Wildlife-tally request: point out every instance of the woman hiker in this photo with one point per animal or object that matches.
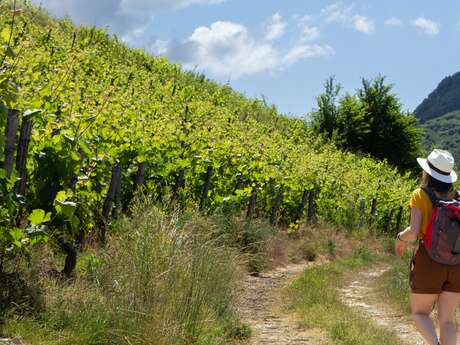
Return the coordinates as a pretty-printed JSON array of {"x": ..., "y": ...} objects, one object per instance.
[{"x": 431, "y": 281}]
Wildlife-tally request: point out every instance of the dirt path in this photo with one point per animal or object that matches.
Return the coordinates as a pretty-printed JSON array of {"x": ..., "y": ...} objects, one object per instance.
[
  {"x": 362, "y": 294},
  {"x": 260, "y": 306},
  {"x": 11, "y": 341}
]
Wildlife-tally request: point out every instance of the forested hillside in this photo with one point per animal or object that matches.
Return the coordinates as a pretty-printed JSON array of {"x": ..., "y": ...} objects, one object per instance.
[
  {"x": 444, "y": 99},
  {"x": 439, "y": 115},
  {"x": 443, "y": 132}
]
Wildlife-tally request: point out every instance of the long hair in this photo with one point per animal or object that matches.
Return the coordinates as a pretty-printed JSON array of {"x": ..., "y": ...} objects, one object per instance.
[{"x": 442, "y": 188}]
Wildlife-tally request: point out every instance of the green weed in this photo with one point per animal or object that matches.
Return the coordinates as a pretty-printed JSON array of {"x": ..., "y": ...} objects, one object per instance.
[
  {"x": 157, "y": 282},
  {"x": 314, "y": 297},
  {"x": 395, "y": 283}
]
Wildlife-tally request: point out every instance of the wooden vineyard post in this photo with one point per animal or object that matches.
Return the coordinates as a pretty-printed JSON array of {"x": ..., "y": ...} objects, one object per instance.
[
  {"x": 399, "y": 219},
  {"x": 138, "y": 180},
  {"x": 389, "y": 218},
  {"x": 21, "y": 162},
  {"x": 373, "y": 211},
  {"x": 206, "y": 187},
  {"x": 262, "y": 207},
  {"x": 10, "y": 140},
  {"x": 276, "y": 205},
  {"x": 180, "y": 183},
  {"x": 117, "y": 197},
  {"x": 252, "y": 202},
  {"x": 108, "y": 202},
  {"x": 362, "y": 208},
  {"x": 303, "y": 203},
  {"x": 140, "y": 175},
  {"x": 21, "y": 156},
  {"x": 311, "y": 216},
  {"x": 71, "y": 257},
  {"x": 238, "y": 185}
]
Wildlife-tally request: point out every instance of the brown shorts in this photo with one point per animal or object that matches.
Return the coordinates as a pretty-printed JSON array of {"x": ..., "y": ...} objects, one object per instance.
[{"x": 431, "y": 277}]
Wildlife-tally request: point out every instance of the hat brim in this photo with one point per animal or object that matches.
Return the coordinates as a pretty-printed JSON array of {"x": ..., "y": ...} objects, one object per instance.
[{"x": 451, "y": 178}]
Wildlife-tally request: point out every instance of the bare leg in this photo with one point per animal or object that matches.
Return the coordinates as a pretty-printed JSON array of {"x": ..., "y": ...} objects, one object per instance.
[
  {"x": 421, "y": 306},
  {"x": 447, "y": 304}
]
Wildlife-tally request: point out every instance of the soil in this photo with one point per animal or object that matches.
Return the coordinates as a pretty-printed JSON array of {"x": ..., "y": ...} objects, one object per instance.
[
  {"x": 362, "y": 293},
  {"x": 11, "y": 341},
  {"x": 261, "y": 306}
]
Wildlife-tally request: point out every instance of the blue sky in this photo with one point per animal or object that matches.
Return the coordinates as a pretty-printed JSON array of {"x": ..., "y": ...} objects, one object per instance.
[{"x": 285, "y": 50}]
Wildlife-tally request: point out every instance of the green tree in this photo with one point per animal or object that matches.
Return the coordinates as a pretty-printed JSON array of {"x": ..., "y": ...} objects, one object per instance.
[
  {"x": 393, "y": 133},
  {"x": 353, "y": 124},
  {"x": 325, "y": 118},
  {"x": 372, "y": 121}
]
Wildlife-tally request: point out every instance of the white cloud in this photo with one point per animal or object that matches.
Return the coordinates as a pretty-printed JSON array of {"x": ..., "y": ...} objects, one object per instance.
[
  {"x": 343, "y": 14},
  {"x": 309, "y": 33},
  {"x": 227, "y": 49},
  {"x": 275, "y": 29},
  {"x": 393, "y": 22},
  {"x": 159, "y": 47},
  {"x": 428, "y": 26},
  {"x": 127, "y": 18},
  {"x": 306, "y": 51},
  {"x": 363, "y": 24},
  {"x": 338, "y": 12},
  {"x": 307, "y": 19}
]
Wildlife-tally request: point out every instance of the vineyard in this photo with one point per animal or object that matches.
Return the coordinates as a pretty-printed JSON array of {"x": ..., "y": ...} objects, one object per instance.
[{"x": 85, "y": 122}]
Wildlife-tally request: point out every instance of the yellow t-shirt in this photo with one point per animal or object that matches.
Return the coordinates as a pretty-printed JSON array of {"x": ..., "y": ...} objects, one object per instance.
[{"x": 422, "y": 201}]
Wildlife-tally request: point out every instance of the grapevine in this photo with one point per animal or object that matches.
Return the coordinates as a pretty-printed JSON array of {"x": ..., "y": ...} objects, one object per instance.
[{"x": 96, "y": 104}]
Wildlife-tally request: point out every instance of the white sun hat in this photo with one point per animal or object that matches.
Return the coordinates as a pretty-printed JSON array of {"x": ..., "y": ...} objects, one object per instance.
[{"x": 439, "y": 165}]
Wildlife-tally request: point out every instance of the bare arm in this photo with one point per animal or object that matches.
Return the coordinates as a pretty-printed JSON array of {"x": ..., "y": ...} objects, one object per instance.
[{"x": 411, "y": 232}]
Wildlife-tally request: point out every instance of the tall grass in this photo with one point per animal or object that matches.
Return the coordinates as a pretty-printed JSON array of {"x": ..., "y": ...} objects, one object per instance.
[
  {"x": 249, "y": 237},
  {"x": 160, "y": 281}
]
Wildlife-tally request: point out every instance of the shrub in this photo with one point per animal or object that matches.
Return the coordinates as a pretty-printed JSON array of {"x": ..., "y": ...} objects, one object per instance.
[{"x": 308, "y": 250}]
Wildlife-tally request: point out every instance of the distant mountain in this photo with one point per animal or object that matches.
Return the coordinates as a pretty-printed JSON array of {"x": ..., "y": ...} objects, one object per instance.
[
  {"x": 444, "y": 132},
  {"x": 444, "y": 99},
  {"x": 439, "y": 115}
]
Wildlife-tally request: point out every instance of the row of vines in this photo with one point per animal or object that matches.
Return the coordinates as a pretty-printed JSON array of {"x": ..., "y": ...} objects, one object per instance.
[{"x": 106, "y": 119}]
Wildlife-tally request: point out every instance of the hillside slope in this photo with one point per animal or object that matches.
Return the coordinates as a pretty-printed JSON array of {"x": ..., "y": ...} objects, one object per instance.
[
  {"x": 99, "y": 106},
  {"x": 444, "y": 99},
  {"x": 105, "y": 121},
  {"x": 443, "y": 132},
  {"x": 439, "y": 115}
]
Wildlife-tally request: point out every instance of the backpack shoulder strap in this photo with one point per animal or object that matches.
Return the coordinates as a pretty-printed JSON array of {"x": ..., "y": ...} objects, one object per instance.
[{"x": 430, "y": 194}]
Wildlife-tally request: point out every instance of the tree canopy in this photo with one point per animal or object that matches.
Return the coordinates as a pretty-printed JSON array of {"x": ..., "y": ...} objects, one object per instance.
[{"x": 371, "y": 121}]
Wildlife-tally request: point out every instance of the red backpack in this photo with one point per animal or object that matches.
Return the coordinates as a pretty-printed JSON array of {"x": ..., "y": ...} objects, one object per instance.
[{"x": 442, "y": 236}]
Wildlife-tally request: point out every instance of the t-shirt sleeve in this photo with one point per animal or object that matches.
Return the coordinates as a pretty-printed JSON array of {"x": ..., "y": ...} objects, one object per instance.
[{"x": 416, "y": 199}]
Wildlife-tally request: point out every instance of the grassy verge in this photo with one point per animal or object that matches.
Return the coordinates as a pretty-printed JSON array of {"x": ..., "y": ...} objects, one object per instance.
[
  {"x": 168, "y": 279},
  {"x": 314, "y": 297},
  {"x": 161, "y": 280},
  {"x": 394, "y": 286}
]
